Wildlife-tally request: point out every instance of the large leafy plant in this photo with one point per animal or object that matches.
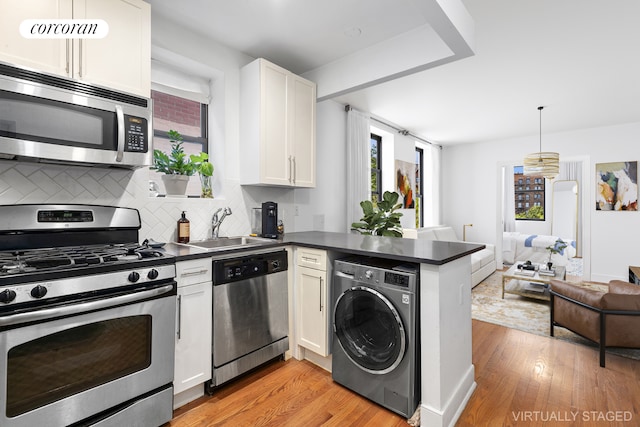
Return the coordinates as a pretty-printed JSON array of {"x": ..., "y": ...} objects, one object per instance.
[
  {"x": 381, "y": 219},
  {"x": 176, "y": 162}
]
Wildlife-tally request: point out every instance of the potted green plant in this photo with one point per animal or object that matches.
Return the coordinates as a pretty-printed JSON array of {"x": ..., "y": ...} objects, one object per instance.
[
  {"x": 205, "y": 170},
  {"x": 556, "y": 248},
  {"x": 381, "y": 219},
  {"x": 176, "y": 165}
]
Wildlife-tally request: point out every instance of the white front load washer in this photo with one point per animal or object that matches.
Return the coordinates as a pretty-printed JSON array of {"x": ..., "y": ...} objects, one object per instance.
[{"x": 375, "y": 331}]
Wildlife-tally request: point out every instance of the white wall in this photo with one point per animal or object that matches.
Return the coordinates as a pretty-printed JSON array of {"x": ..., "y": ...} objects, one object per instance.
[
  {"x": 324, "y": 208},
  {"x": 471, "y": 178}
]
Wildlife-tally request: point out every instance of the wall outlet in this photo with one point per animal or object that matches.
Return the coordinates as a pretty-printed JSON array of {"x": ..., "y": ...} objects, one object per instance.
[{"x": 296, "y": 210}]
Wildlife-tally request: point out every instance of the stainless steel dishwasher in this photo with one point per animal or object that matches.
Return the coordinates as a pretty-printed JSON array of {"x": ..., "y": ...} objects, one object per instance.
[{"x": 250, "y": 313}]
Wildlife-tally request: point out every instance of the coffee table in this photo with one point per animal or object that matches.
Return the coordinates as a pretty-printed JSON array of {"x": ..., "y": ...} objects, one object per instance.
[{"x": 536, "y": 286}]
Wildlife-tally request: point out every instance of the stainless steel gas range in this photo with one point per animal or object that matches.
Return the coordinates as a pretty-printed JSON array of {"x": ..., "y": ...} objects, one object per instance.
[{"x": 86, "y": 319}]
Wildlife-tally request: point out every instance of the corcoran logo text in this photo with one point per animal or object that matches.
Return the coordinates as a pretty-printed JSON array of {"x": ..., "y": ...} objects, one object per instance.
[{"x": 64, "y": 28}]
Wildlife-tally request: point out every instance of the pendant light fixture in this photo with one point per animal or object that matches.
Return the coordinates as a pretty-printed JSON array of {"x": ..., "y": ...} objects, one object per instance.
[{"x": 543, "y": 163}]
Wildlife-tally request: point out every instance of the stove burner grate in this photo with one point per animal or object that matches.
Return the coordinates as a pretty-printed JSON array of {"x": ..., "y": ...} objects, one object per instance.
[{"x": 16, "y": 262}]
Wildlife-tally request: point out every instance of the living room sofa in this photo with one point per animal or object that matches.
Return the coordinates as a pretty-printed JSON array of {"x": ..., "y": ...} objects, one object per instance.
[
  {"x": 483, "y": 262},
  {"x": 518, "y": 247}
]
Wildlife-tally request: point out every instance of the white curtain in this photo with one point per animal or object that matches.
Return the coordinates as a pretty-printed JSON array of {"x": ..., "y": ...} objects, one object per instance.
[
  {"x": 570, "y": 171},
  {"x": 509, "y": 205},
  {"x": 431, "y": 189},
  {"x": 358, "y": 164}
]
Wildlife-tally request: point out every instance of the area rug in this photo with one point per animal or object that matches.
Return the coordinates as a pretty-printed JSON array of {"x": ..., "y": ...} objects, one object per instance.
[{"x": 525, "y": 314}]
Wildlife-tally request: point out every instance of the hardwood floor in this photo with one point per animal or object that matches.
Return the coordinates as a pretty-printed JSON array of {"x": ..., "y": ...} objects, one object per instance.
[
  {"x": 526, "y": 379},
  {"x": 523, "y": 379},
  {"x": 291, "y": 393}
]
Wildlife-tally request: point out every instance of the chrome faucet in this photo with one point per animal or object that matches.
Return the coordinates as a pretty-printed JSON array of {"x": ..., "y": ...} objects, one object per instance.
[{"x": 216, "y": 223}]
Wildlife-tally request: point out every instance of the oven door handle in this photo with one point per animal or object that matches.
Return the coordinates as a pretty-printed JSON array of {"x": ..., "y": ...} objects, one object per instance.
[{"x": 68, "y": 310}]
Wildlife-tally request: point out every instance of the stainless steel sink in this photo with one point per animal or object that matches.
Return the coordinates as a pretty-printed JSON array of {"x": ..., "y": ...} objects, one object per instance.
[{"x": 230, "y": 242}]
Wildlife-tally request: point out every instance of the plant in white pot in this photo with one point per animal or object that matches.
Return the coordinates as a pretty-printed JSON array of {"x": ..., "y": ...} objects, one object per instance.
[{"x": 176, "y": 166}]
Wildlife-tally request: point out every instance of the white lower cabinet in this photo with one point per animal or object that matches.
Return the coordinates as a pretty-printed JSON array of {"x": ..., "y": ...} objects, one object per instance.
[
  {"x": 193, "y": 330},
  {"x": 193, "y": 336},
  {"x": 313, "y": 300}
]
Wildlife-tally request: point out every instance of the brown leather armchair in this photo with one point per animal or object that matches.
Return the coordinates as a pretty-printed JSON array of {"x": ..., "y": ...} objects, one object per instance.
[{"x": 610, "y": 319}]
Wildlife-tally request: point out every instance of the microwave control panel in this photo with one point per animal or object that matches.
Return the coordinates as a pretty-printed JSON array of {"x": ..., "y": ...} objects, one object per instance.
[{"x": 135, "y": 134}]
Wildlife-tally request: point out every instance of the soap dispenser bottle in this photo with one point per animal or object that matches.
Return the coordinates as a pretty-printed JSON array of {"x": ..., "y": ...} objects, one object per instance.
[{"x": 183, "y": 229}]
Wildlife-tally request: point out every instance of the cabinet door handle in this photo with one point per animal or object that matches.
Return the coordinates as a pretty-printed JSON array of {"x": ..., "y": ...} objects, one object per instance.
[
  {"x": 320, "y": 287},
  {"x": 309, "y": 259},
  {"x": 294, "y": 170},
  {"x": 290, "y": 170},
  {"x": 179, "y": 315},
  {"x": 80, "y": 57},
  {"x": 66, "y": 67},
  {"x": 194, "y": 273}
]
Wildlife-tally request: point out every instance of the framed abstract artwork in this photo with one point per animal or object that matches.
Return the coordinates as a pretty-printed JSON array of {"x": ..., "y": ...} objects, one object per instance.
[
  {"x": 405, "y": 183},
  {"x": 617, "y": 186}
]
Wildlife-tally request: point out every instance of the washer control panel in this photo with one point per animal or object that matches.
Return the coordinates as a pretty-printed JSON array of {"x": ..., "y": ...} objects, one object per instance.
[{"x": 379, "y": 271}]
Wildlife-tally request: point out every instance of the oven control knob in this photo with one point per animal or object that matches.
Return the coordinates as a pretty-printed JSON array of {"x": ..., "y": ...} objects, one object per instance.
[
  {"x": 152, "y": 274},
  {"x": 134, "y": 276},
  {"x": 368, "y": 274},
  {"x": 39, "y": 291},
  {"x": 7, "y": 296},
  {"x": 275, "y": 264}
]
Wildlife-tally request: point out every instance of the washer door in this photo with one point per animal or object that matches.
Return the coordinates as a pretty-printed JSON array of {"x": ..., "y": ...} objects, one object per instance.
[{"x": 369, "y": 329}]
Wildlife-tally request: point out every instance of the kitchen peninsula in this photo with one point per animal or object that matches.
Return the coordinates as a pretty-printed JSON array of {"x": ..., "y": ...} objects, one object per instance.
[{"x": 447, "y": 373}]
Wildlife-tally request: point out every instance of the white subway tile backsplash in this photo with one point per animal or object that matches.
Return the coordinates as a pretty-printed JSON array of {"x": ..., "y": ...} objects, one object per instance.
[{"x": 29, "y": 182}]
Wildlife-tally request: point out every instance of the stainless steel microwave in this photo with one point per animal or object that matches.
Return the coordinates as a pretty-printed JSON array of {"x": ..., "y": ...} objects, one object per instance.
[{"x": 48, "y": 118}]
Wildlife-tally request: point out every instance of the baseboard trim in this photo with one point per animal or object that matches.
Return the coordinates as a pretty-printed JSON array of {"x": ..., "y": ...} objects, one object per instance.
[{"x": 449, "y": 414}]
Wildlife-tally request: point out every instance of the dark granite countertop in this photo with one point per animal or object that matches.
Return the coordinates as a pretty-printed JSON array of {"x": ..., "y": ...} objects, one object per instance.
[{"x": 410, "y": 250}]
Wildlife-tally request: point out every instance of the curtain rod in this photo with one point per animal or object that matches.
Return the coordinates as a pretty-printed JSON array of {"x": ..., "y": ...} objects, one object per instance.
[{"x": 403, "y": 132}]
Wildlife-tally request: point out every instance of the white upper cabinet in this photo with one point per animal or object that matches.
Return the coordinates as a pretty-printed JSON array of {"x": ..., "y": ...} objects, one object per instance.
[
  {"x": 48, "y": 55},
  {"x": 277, "y": 128},
  {"x": 303, "y": 132},
  {"x": 121, "y": 60}
]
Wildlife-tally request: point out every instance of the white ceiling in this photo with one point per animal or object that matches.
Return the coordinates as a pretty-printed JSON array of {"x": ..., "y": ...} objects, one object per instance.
[{"x": 578, "y": 58}]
